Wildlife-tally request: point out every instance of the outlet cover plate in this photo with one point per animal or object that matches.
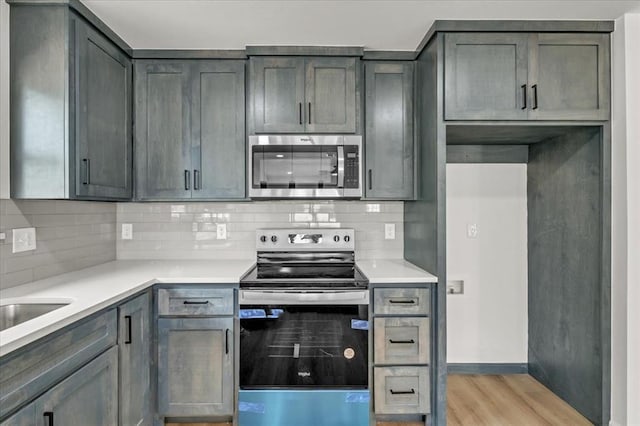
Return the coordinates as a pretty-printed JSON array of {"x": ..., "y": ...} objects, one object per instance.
[
  {"x": 389, "y": 231},
  {"x": 24, "y": 239},
  {"x": 221, "y": 231},
  {"x": 127, "y": 231}
]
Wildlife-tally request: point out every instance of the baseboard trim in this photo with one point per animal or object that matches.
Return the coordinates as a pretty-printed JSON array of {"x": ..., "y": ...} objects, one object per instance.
[{"x": 487, "y": 368}]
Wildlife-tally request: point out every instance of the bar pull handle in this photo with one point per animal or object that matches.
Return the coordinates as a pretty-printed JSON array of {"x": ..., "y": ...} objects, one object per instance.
[
  {"x": 226, "y": 341},
  {"x": 48, "y": 415},
  {"x": 370, "y": 179},
  {"x": 309, "y": 113},
  {"x": 524, "y": 96},
  {"x": 192, "y": 302},
  {"x": 187, "y": 178},
  {"x": 406, "y": 342},
  {"x": 196, "y": 179},
  {"x": 87, "y": 171},
  {"x": 300, "y": 112},
  {"x": 127, "y": 318},
  {"x": 535, "y": 96},
  {"x": 406, "y": 392},
  {"x": 403, "y": 302}
]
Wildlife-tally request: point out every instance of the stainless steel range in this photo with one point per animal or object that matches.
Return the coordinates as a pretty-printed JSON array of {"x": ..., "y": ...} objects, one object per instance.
[{"x": 304, "y": 330}]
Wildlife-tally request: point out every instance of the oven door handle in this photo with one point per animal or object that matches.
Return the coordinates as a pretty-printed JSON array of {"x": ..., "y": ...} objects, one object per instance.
[
  {"x": 340, "y": 166},
  {"x": 302, "y": 297}
]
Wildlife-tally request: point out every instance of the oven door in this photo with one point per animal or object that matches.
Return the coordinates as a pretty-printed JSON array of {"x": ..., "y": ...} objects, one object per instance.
[{"x": 303, "y": 339}]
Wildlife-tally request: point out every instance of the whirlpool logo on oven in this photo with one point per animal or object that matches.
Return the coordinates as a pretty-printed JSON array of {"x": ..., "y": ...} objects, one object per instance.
[{"x": 304, "y": 373}]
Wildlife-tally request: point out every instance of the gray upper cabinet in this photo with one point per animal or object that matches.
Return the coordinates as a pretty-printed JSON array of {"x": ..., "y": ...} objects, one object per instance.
[
  {"x": 485, "y": 76},
  {"x": 522, "y": 76},
  {"x": 304, "y": 95},
  {"x": 70, "y": 108},
  {"x": 569, "y": 76},
  {"x": 189, "y": 130},
  {"x": 389, "y": 151},
  {"x": 134, "y": 347}
]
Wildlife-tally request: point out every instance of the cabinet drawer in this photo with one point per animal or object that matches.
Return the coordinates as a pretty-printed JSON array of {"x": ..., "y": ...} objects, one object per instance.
[
  {"x": 401, "y": 340},
  {"x": 195, "y": 301},
  {"x": 401, "y": 301},
  {"x": 401, "y": 390}
]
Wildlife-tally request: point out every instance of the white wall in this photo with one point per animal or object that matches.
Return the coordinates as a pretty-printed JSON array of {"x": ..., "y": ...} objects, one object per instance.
[
  {"x": 625, "y": 276},
  {"x": 4, "y": 99},
  {"x": 488, "y": 323}
]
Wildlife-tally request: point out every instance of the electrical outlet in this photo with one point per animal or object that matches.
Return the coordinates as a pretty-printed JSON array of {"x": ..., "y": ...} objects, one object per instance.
[
  {"x": 389, "y": 231},
  {"x": 472, "y": 230},
  {"x": 221, "y": 231},
  {"x": 3, "y": 236},
  {"x": 24, "y": 239},
  {"x": 127, "y": 231},
  {"x": 455, "y": 287}
]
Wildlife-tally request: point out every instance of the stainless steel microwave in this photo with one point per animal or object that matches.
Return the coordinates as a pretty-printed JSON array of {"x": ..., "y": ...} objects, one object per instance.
[{"x": 307, "y": 166}]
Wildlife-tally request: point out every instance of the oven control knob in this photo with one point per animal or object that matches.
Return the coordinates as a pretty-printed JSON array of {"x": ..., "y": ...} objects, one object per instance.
[
  {"x": 336, "y": 238},
  {"x": 263, "y": 238},
  {"x": 274, "y": 239},
  {"x": 347, "y": 238}
]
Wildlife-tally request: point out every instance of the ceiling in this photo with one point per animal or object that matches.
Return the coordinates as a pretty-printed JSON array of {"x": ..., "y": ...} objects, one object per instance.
[{"x": 373, "y": 24}]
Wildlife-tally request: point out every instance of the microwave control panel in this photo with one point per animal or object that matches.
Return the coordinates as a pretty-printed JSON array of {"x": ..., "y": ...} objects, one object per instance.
[{"x": 351, "y": 166}]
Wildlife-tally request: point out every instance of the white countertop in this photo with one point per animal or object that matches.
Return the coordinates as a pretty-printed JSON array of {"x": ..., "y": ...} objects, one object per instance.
[
  {"x": 89, "y": 290},
  {"x": 394, "y": 271}
]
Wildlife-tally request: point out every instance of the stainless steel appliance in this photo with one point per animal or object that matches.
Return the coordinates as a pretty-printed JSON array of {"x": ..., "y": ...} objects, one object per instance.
[
  {"x": 304, "y": 331},
  {"x": 305, "y": 166}
]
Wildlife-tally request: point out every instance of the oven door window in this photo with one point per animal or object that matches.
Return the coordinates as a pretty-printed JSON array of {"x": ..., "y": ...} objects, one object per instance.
[
  {"x": 288, "y": 166},
  {"x": 303, "y": 346}
]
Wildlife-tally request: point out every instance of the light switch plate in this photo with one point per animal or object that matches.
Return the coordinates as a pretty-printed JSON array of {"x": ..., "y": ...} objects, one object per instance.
[
  {"x": 127, "y": 231},
  {"x": 24, "y": 239},
  {"x": 221, "y": 231},
  {"x": 389, "y": 231}
]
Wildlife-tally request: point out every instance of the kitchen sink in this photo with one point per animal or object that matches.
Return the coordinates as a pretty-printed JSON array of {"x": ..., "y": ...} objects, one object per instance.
[{"x": 18, "y": 313}]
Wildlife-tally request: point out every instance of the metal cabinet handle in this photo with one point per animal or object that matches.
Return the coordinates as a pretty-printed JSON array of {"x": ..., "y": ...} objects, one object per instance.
[
  {"x": 309, "y": 113},
  {"x": 48, "y": 415},
  {"x": 187, "y": 178},
  {"x": 191, "y": 302},
  {"x": 196, "y": 180},
  {"x": 87, "y": 175},
  {"x": 127, "y": 318},
  {"x": 226, "y": 341},
  {"x": 408, "y": 342},
  {"x": 535, "y": 96},
  {"x": 405, "y": 302},
  {"x": 524, "y": 96},
  {"x": 370, "y": 179},
  {"x": 300, "y": 112},
  {"x": 407, "y": 392}
]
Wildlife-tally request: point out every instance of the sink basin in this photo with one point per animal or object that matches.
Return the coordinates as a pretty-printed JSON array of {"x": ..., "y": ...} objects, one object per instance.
[{"x": 17, "y": 313}]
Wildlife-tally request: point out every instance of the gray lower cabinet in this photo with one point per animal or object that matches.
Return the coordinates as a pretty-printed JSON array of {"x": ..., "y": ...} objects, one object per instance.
[
  {"x": 134, "y": 350},
  {"x": 526, "y": 76},
  {"x": 389, "y": 150},
  {"x": 70, "y": 108},
  {"x": 304, "y": 95},
  {"x": 190, "y": 129},
  {"x": 195, "y": 367},
  {"x": 87, "y": 397}
]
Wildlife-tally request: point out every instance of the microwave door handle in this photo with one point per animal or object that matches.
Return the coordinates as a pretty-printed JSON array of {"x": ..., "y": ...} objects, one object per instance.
[{"x": 340, "y": 166}]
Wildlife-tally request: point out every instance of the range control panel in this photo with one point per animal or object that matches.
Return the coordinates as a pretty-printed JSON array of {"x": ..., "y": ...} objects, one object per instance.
[{"x": 325, "y": 239}]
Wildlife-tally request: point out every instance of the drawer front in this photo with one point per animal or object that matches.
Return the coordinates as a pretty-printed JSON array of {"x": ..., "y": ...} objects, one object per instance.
[
  {"x": 401, "y": 301},
  {"x": 402, "y": 390},
  {"x": 195, "y": 301},
  {"x": 401, "y": 340},
  {"x": 30, "y": 371}
]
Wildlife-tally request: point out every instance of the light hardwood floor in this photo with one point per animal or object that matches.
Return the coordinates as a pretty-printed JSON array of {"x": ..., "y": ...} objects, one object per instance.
[{"x": 506, "y": 400}]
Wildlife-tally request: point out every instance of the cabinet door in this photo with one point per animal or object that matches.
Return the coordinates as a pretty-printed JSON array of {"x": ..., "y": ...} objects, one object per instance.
[
  {"x": 569, "y": 76},
  {"x": 389, "y": 151},
  {"x": 87, "y": 397},
  {"x": 162, "y": 130},
  {"x": 330, "y": 95},
  {"x": 485, "y": 76},
  {"x": 278, "y": 94},
  {"x": 135, "y": 361},
  {"x": 103, "y": 116},
  {"x": 195, "y": 367},
  {"x": 218, "y": 129}
]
